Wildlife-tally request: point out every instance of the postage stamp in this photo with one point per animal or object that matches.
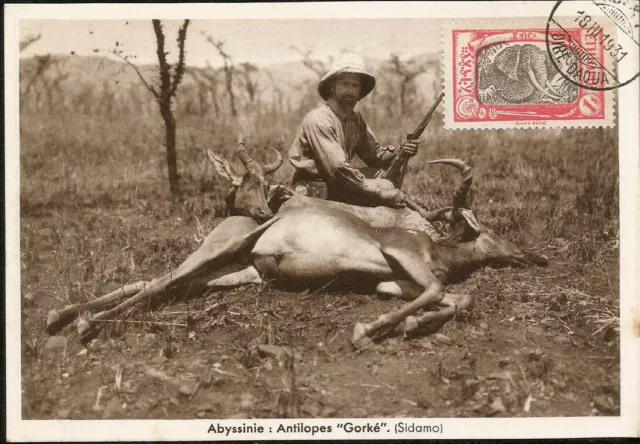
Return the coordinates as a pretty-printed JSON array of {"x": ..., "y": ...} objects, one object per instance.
[{"x": 501, "y": 75}]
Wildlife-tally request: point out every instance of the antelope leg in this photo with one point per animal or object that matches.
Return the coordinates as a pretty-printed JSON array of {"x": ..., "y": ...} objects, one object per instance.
[
  {"x": 401, "y": 289},
  {"x": 432, "y": 321},
  {"x": 156, "y": 288},
  {"x": 58, "y": 319},
  {"x": 387, "y": 322},
  {"x": 150, "y": 292},
  {"x": 462, "y": 300},
  {"x": 214, "y": 253},
  {"x": 243, "y": 277},
  {"x": 401, "y": 251}
]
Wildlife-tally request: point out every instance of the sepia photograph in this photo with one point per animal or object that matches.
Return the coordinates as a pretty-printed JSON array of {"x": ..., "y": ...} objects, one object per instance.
[{"x": 259, "y": 213}]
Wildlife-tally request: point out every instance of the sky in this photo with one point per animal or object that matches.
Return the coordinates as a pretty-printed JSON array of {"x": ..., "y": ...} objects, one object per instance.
[{"x": 259, "y": 41}]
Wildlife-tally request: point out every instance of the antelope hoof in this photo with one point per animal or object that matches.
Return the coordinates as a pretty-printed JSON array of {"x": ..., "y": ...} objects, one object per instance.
[
  {"x": 87, "y": 332},
  {"x": 360, "y": 340},
  {"x": 54, "y": 322},
  {"x": 59, "y": 319},
  {"x": 84, "y": 328},
  {"x": 411, "y": 326}
]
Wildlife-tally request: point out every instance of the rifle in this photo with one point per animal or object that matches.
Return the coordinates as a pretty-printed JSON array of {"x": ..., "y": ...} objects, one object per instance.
[{"x": 399, "y": 163}]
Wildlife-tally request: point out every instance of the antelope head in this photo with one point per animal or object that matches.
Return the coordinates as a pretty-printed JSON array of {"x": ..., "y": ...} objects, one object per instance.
[
  {"x": 248, "y": 195},
  {"x": 471, "y": 243}
]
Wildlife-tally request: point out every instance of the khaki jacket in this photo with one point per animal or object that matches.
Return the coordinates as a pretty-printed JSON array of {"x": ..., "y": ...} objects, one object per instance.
[{"x": 326, "y": 143}]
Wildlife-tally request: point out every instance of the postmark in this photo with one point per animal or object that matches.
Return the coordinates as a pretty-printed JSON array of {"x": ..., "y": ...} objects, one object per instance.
[
  {"x": 600, "y": 53},
  {"x": 501, "y": 75}
]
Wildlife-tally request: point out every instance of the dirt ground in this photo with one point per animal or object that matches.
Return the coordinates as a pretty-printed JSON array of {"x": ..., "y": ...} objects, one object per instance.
[
  {"x": 95, "y": 214},
  {"x": 528, "y": 346}
]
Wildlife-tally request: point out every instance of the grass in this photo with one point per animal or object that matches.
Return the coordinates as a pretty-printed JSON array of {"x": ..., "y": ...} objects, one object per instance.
[
  {"x": 531, "y": 186},
  {"x": 96, "y": 214}
]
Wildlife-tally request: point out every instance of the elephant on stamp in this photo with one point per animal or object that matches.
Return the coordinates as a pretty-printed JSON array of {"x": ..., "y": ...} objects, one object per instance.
[{"x": 520, "y": 73}]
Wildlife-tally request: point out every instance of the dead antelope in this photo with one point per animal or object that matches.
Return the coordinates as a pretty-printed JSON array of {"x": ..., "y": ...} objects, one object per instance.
[{"x": 318, "y": 242}]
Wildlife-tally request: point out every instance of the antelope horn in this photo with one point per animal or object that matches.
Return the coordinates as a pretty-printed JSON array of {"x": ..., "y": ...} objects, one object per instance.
[
  {"x": 439, "y": 214},
  {"x": 460, "y": 195},
  {"x": 423, "y": 209},
  {"x": 431, "y": 216},
  {"x": 244, "y": 157},
  {"x": 273, "y": 166}
]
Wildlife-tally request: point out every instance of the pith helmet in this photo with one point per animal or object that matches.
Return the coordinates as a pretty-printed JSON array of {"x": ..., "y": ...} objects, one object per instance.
[{"x": 352, "y": 63}]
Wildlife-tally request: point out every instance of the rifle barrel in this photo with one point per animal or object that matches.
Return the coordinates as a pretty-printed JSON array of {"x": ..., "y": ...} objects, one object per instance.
[
  {"x": 400, "y": 157},
  {"x": 425, "y": 121}
]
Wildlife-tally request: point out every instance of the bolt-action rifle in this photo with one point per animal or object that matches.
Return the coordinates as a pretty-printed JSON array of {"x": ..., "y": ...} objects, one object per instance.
[{"x": 399, "y": 163}]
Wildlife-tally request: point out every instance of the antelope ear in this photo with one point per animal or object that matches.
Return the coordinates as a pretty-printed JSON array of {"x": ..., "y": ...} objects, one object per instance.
[
  {"x": 224, "y": 169},
  {"x": 470, "y": 218},
  {"x": 276, "y": 196},
  {"x": 508, "y": 60}
]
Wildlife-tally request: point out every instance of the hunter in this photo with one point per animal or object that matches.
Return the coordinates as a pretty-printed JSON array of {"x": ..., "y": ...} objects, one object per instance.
[{"x": 334, "y": 133}]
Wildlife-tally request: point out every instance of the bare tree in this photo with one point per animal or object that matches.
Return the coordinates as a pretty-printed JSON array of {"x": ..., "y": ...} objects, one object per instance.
[
  {"x": 55, "y": 95},
  {"x": 28, "y": 41},
  {"x": 248, "y": 72},
  {"x": 43, "y": 83},
  {"x": 207, "y": 80},
  {"x": 42, "y": 63},
  {"x": 406, "y": 72},
  {"x": 279, "y": 106},
  {"x": 229, "y": 70},
  {"x": 169, "y": 82},
  {"x": 314, "y": 65},
  {"x": 168, "y": 86}
]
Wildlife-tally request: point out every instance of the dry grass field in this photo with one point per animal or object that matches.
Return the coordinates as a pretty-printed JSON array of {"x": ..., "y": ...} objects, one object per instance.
[{"x": 96, "y": 214}]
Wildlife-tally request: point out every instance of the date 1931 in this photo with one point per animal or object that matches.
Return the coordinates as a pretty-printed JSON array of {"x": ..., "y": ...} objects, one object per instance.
[{"x": 594, "y": 29}]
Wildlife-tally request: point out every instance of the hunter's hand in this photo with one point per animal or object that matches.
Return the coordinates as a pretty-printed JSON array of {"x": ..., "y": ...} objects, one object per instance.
[
  {"x": 410, "y": 147},
  {"x": 392, "y": 197}
]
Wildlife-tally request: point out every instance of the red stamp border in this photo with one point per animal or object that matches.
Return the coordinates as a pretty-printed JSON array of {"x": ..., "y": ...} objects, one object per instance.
[{"x": 467, "y": 106}]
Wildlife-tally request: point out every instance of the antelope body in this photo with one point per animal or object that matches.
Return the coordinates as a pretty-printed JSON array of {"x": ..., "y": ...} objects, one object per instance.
[{"x": 311, "y": 243}]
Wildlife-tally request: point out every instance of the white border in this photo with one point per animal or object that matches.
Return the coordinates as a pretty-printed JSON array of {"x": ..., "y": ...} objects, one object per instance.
[{"x": 628, "y": 424}]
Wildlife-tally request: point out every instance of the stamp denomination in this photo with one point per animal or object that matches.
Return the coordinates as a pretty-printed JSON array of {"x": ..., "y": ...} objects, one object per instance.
[{"x": 501, "y": 75}]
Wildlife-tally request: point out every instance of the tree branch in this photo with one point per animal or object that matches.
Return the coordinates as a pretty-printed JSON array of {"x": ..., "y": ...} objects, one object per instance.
[
  {"x": 43, "y": 64},
  {"x": 144, "y": 81},
  {"x": 309, "y": 63},
  {"x": 28, "y": 41},
  {"x": 179, "y": 72},
  {"x": 165, "y": 74},
  {"x": 228, "y": 71}
]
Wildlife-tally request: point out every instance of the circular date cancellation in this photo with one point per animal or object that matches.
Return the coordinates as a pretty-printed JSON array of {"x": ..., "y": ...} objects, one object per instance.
[{"x": 595, "y": 45}]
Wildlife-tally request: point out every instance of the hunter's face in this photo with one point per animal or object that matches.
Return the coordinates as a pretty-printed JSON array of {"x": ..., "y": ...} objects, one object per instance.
[{"x": 347, "y": 89}]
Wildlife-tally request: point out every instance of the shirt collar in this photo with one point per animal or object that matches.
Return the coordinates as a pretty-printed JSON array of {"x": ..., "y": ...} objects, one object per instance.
[{"x": 342, "y": 115}]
